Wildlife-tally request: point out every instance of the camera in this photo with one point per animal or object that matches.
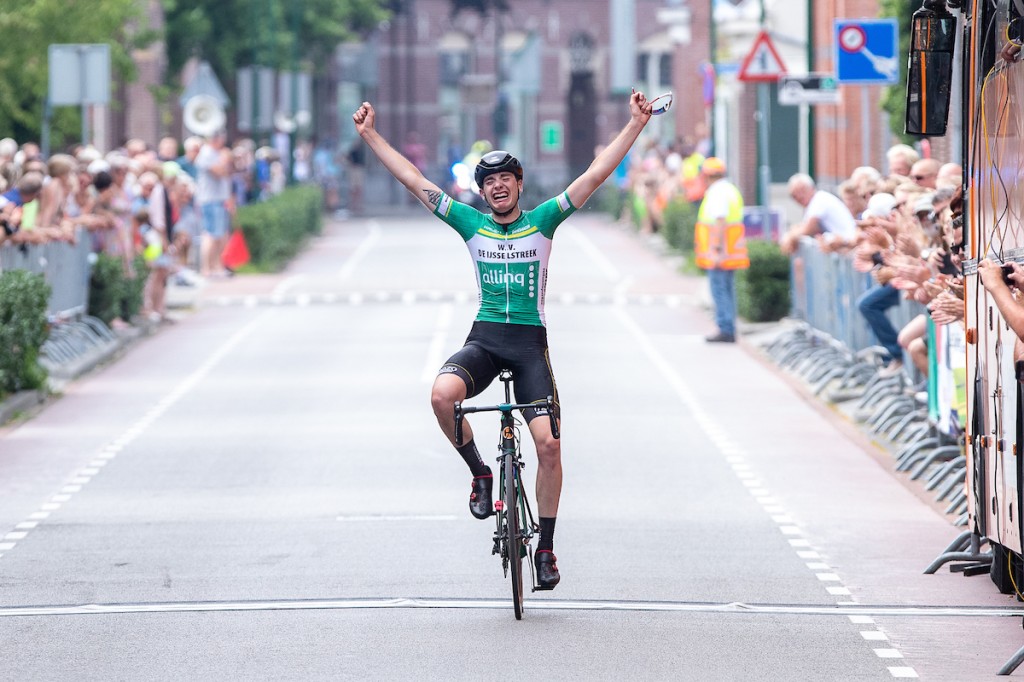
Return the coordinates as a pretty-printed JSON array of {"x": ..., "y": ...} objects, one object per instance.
[
  {"x": 877, "y": 259},
  {"x": 1007, "y": 271}
]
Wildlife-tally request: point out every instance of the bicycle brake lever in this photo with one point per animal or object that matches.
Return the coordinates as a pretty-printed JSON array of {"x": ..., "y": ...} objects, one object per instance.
[
  {"x": 458, "y": 424},
  {"x": 551, "y": 416}
]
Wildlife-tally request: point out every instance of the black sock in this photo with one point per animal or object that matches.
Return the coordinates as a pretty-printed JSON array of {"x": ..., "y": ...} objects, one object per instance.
[
  {"x": 472, "y": 457},
  {"x": 547, "y": 534}
]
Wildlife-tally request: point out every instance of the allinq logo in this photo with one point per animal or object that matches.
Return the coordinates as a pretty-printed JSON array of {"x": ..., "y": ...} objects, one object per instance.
[
  {"x": 502, "y": 277},
  {"x": 522, "y": 276}
]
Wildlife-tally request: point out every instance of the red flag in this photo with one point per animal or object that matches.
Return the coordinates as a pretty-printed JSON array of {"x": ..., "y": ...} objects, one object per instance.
[{"x": 236, "y": 252}]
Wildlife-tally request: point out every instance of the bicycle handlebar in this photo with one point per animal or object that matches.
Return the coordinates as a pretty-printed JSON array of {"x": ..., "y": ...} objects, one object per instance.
[{"x": 461, "y": 411}]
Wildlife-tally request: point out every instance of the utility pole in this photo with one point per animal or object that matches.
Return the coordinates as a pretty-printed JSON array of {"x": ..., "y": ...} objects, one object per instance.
[{"x": 764, "y": 170}]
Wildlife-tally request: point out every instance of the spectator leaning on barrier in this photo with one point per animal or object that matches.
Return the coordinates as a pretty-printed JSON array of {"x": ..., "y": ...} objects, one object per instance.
[
  {"x": 925, "y": 172},
  {"x": 720, "y": 245},
  {"x": 824, "y": 214},
  {"x": 950, "y": 175},
  {"x": 12, "y": 204},
  {"x": 881, "y": 225},
  {"x": 53, "y": 199},
  {"x": 901, "y": 158},
  {"x": 856, "y": 200}
]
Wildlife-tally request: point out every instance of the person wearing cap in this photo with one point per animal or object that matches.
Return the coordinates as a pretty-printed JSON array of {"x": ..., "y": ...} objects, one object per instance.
[
  {"x": 510, "y": 248},
  {"x": 720, "y": 245}
]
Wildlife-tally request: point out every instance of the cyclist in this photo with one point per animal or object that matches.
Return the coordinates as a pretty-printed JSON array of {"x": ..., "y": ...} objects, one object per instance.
[{"x": 510, "y": 249}]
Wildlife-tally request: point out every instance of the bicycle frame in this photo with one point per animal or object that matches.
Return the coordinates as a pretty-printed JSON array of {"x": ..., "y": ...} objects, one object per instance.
[{"x": 515, "y": 526}]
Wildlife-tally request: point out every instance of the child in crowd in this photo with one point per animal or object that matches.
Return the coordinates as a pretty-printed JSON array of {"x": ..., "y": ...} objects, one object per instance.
[{"x": 155, "y": 252}]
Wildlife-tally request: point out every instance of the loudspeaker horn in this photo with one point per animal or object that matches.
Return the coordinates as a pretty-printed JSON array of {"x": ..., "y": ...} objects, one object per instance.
[{"x": 203, "y": 115}]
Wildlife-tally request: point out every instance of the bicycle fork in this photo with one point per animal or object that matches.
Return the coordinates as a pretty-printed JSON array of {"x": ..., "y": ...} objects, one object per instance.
[{"x": 528, "y": 527}]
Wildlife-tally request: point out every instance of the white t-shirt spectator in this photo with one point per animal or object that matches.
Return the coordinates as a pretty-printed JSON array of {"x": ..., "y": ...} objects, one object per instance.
[
  {"x": 832, "y": 214},
  {"x": 209, "y": 187}
]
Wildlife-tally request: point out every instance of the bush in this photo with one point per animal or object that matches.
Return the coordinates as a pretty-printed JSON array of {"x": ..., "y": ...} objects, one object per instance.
[
  {"x": 762, "y": 292},
  {"x": 23, "y": 329},
  {"x": 680, "y": 223},
  {"x": 610, "y": 199},
  {"x": 114, "y": 294},
  {"x": 276, "y": 229}
]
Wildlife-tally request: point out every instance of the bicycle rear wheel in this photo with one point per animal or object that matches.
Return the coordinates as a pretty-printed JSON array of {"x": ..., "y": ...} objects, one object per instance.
[{"x": 515, "y": 541}]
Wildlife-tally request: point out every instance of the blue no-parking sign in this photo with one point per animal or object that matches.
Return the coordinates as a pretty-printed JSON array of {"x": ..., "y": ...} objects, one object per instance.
[{"x": 866, "y": 51}]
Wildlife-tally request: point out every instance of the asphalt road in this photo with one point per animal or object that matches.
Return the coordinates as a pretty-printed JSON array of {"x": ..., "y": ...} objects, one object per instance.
[{"x": 260, "y": 491}]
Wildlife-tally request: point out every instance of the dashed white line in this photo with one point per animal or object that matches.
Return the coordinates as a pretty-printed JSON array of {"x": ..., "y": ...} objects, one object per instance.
[
  {"x": 109, "y": 451},
  {"x": 733, "y": 454}
]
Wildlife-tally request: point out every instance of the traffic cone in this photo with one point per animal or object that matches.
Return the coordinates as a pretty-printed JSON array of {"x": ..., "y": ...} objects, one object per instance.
[{"x": 236, "y": 252}]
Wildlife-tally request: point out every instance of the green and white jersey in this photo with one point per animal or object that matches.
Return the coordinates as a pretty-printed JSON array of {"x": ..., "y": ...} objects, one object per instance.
[{"x": 511, "y": 261}]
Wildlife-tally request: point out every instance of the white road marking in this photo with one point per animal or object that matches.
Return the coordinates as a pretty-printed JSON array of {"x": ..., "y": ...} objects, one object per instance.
[
  {"x": 874, "y": 636},
  {"x": 595, "y": 254},
  {"x": 721, "y": 440},
  {"x": 503, "y": 604},
  {"x": 369, "y": 241},
  {"x": 399, "y": 517},
  {"x": 898, "y": 671},
  {"x": 111, "y": 450}
]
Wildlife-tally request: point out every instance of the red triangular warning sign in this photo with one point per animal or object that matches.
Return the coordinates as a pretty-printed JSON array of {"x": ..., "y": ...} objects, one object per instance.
[{"x": 763, "y": 63}]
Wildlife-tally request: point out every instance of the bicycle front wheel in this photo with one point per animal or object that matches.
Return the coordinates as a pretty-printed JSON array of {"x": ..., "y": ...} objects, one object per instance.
[{"x": 515, "y": 540}]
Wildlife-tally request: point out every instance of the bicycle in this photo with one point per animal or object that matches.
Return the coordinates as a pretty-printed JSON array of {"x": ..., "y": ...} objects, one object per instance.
[{"x": 514, "y": 522}]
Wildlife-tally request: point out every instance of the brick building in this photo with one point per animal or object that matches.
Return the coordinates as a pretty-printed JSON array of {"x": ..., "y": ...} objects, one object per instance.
[{"x": 562, "y": 89}]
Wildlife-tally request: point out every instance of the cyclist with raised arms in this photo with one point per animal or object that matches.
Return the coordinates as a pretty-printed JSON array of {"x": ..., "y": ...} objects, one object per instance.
[{"x": 510, "y": 249}]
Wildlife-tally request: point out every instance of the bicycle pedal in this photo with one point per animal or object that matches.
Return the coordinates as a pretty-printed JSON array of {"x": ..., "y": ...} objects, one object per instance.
[{"x": 499, "y": 505}]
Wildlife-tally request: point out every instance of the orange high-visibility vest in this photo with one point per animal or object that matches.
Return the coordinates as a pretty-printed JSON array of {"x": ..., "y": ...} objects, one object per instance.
[{"x": 717, "y": 247}]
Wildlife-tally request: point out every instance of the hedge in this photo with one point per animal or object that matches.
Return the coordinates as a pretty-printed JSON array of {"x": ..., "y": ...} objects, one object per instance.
[
  {"x": 112, "y": 293},
  {"x": 23, "y": 330},
  {"x": 276, "y": 229},
  {"x": 680, "y": 218},
  {"x": 762, "y": 291}
]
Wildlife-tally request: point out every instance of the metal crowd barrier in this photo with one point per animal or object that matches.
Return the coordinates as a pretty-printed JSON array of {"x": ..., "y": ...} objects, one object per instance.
[
  {"x": 65, "y": 266},
  {"x": 830, "y": 345}
]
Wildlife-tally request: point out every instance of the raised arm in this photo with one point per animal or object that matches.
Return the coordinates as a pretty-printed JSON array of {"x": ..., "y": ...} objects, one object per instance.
[
  {"x": 402, "y": 168},
  {"x": 612, "y": 155}
]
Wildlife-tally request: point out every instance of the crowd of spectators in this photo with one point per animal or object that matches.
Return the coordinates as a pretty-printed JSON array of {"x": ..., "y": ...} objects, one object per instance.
[
  {"x": 904, "y": 227},
  {"x": 899, "y": 224},
  {"x": 171, "y": 205}
]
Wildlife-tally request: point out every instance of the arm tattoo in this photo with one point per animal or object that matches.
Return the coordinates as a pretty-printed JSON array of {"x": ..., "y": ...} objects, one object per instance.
[{"x": 433, "y": 197}]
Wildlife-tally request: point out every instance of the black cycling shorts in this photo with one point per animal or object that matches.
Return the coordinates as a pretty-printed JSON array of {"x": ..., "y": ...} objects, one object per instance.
[{"x": 521, "y": 348}]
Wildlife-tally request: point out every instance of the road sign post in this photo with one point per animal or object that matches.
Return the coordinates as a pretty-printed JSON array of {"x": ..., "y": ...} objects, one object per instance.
[
  {"x": 78, "y": 75},
  {"x": 866, "y": 54},
  {"x": 763, "y": 66}
]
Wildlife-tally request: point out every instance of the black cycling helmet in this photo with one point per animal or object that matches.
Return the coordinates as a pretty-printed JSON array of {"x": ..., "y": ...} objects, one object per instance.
[{"x": 497, "y": 161}]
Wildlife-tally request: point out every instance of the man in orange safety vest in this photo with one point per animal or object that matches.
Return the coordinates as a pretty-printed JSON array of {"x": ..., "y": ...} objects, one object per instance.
[{"x": 720, "y": 245}]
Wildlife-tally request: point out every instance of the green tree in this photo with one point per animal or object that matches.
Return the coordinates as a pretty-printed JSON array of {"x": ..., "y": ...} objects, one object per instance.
[
  {"x": 234, "y": 33},
  {"x": 894, "y": 99},
  {"x": 29, "y": 28}
]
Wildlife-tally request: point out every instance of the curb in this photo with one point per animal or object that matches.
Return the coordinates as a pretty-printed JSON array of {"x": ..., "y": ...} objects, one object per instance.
[
  {"x": 20, "y": 402},
  {"x": 61, "y": 375}
]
